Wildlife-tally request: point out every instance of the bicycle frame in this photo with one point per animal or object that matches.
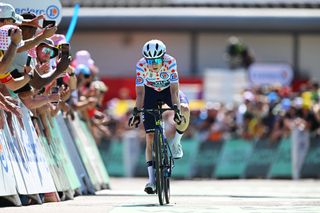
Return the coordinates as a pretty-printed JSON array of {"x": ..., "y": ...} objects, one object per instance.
[{"x": 161, "y": 154}]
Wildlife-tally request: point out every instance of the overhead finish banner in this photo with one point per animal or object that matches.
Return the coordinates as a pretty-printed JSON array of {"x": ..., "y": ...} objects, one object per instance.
[{"x": 52, "y": 9}]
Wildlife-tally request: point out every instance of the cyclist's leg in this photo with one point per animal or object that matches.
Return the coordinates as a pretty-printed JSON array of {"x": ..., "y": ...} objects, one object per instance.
[
  {"x": 149, "y": 125},
  {"x": 184, "y": 106},
  {"x": 185, "y": 111},
  {"x": 181, "y": 128}
]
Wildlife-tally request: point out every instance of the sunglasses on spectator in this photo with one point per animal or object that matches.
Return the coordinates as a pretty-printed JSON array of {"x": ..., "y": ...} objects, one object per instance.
[
  {"x": 155, "y": 61},
  {"x": 86, "y": 76},
  {"x": 47, "y": 50}
]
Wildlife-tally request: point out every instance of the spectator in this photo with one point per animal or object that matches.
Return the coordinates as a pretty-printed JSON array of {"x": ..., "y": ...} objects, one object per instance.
[{"x": 238, "y": 54}]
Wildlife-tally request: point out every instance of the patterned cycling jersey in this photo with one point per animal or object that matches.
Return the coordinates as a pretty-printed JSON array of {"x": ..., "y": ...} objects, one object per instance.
[{"x": 157, "y": 80}]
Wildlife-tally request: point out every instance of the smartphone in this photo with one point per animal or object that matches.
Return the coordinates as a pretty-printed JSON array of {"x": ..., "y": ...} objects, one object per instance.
[
  {"x": 54, "y": 90},
  {"x": 65, "y": 48},
  {"x": 9, "y": 32},
  {"x": 60, "y": 81},
  {"x": 28, "y": 61},
  {"x": 48, "y": 22}
]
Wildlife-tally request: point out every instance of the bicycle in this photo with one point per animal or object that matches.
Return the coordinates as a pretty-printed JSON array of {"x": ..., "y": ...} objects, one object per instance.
[{"x": 162, "y": 155}]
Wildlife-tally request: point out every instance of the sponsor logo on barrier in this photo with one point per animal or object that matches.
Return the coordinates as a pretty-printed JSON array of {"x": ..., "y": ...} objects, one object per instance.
[
  {"x": 36, "y": 11},
  {"x": 17, "y": 151},
  {"x": 50, "y": 8},
  {"x": 53, "y": 12},
  {"x": 4, "y": 162}
]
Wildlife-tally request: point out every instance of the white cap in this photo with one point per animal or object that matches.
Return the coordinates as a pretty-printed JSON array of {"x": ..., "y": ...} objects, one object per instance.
[
  {"x": 84, "y": 57},
  {"x": 7, "y": 11}
]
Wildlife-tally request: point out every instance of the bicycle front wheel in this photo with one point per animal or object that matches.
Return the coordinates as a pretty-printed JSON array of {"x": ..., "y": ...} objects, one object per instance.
[
  {"x": 167, "y": 189},
  {"x": 158, "y": 140}
]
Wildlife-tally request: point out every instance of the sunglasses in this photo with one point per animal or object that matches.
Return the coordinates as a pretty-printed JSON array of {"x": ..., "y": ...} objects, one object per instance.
[
  {"x": 47, "y": 50},
  {"x": 154, "y": 61}
]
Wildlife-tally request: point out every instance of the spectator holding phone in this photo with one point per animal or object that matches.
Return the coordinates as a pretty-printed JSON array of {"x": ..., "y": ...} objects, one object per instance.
[
  {"x": 12, "y": 39},
  {"x": 69, "y": 77},
  {"x": 31, "y": 41},
  {"x": 8, "y": 17}
]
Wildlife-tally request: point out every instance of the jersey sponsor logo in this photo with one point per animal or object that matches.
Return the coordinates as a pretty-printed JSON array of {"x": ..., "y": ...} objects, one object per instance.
[
  {"x": 174, "y": 77},
  {"x": 151, "y": 79},
  {"x": 158, "y": 84},
  {"x": 139, "y": 80},
  {"x": 164, "y": 75}
]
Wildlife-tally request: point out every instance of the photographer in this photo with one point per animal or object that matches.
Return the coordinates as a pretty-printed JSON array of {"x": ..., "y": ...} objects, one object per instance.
[{"x": 238, "y": 54}]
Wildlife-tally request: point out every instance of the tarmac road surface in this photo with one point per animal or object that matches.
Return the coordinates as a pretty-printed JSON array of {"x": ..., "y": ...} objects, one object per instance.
[{"x": 210, "y": 196}]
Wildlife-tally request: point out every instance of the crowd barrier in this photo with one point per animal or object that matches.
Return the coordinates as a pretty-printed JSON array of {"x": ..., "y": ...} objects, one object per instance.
[
  {"x": 233, "y": 158},
  {"x": 36, "y": 171}
]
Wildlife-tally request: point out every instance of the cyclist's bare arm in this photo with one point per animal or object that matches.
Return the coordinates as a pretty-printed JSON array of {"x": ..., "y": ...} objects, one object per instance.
[
  {"x": 140, "y": 96},
  {"x": 174, "y": 90}
]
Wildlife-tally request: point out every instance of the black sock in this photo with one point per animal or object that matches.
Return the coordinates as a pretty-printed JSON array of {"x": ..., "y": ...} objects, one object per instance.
[
  {"x": 149, "y": 163},
  {"x": 180, "y": 132}
]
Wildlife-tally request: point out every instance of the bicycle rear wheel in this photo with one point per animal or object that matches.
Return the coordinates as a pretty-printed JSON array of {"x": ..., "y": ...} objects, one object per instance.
[
  {"x": 159, "y": 165},
  {"x": 167, "y": 189},
  {"x": 167, "y": 174}
]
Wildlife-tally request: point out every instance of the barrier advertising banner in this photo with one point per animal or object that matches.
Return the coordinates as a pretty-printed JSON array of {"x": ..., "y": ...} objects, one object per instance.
[
  {"x": 206, "y": 159},
  {"x": 15, "y": 153},
  {"x": 7, "y": 180},
  {"x": 25, "y": 150},
  {"x": 64, "y": 157},
  {"x": 55, "y": 167},
  {"x": 43, "y": 172},
  {"x": 113, "y": 159},
  {"x": 183, "y": 166},
  {"x": 86, "y": 185},
  {"x": 311, "y": 165},
  {"x": 52, "y": 9},
  {"x": 131, "y": 151},
  {"x": 234, "y": 158},
  {"x": 89, "y": 153},
  {"x": 98, "y": 163},
  {"x": 281, "y": 166},
  {"x": 55, "y": 160},
  {"x": 300, "y": 139},
  {"x": 261, "y": 159}
]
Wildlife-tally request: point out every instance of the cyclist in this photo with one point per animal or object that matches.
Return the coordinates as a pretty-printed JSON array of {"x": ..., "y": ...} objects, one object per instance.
[{"x": 157, "y": 79}]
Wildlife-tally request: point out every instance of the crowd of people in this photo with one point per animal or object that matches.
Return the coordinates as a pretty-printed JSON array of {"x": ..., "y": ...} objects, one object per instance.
[
  {"x": 269, "y": 112},
  {"x": 265, "y": 113},
  {"x": 37, "y": 71}
]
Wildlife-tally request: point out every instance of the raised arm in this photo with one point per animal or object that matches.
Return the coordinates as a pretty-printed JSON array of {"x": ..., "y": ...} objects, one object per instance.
[{"x": 10, "y": 54}]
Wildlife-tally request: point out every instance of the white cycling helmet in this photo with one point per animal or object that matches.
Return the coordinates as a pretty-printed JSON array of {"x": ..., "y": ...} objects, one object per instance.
[{"x": 153, "y": 49}]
